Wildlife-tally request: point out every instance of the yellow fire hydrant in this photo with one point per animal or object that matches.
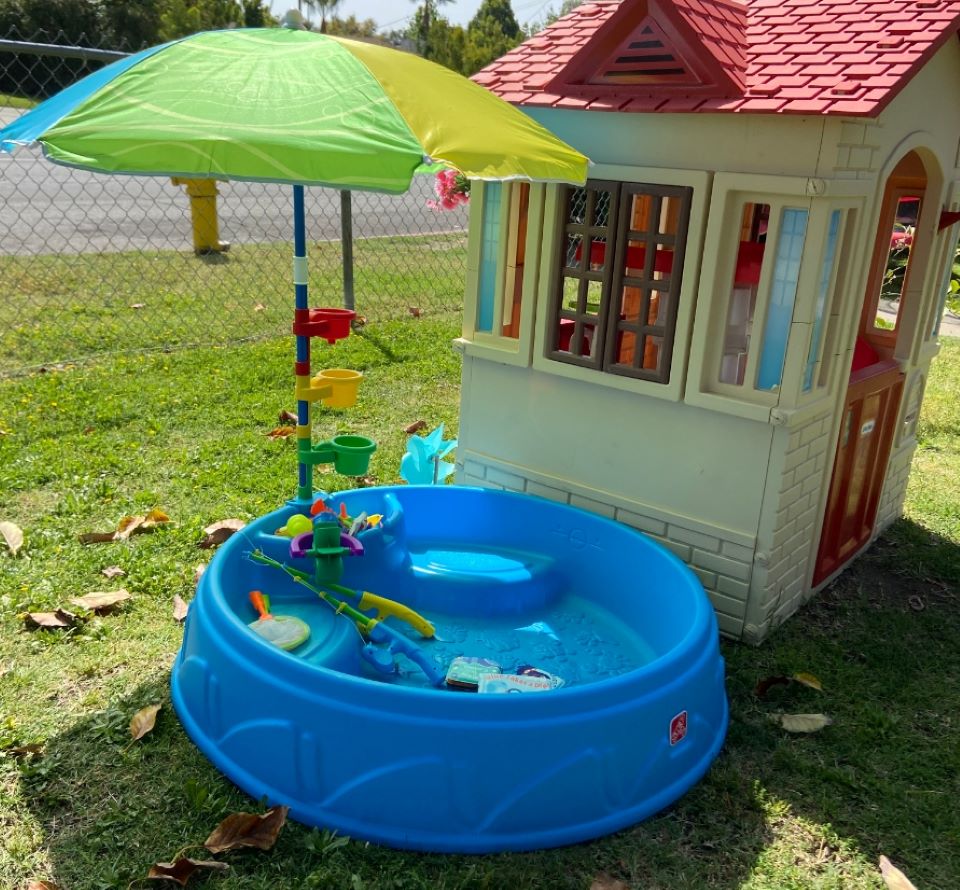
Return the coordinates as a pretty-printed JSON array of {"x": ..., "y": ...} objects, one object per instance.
[{"x": 203, "y": 215}]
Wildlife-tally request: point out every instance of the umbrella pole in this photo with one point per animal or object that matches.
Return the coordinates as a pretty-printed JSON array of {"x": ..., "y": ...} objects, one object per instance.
[{"x": 302, "y": 367}]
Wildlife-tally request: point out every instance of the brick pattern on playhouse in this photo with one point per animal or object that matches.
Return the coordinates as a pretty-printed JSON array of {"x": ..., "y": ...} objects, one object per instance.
[{"x": 844, "y": 57}]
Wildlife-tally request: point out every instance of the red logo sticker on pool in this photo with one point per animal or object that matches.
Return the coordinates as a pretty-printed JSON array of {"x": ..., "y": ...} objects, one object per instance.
[{"x": 678, "y": 728}]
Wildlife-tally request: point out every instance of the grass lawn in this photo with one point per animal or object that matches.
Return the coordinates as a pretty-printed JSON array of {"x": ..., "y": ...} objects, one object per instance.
[{"x": 186, "y": 433}]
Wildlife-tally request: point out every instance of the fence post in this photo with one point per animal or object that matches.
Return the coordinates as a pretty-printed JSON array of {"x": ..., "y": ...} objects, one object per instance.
[{"x": 346, "y": 242}]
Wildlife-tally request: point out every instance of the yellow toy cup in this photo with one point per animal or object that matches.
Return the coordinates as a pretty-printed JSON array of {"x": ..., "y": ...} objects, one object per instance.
[{"x": 345, "y": 384}]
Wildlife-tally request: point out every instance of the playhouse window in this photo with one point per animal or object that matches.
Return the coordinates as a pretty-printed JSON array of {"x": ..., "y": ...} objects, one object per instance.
[
  {"x": 896, "y": 262},
  {"x": 824, "y": 287},
  {"x": 503, "y": 242},
  {"x": 615, "y": 306},
  {"x": 742, "y": 309}
]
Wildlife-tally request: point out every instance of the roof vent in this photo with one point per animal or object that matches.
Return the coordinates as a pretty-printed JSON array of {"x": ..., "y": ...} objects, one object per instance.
[{"x": 647, "y": 56}]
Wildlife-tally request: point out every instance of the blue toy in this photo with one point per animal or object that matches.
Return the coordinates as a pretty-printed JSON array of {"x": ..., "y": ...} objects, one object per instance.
[{"x": 423, "y": 463}]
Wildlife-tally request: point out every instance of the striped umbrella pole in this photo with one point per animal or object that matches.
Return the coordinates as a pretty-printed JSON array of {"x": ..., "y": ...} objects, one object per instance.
[{"x": 302, "y": 367}]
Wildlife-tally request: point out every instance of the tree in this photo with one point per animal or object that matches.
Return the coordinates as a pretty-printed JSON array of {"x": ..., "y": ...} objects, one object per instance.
[
  {"x": 492, "y": 32},
  {"x": 566, "y": 7},
  {"x": 352, "y": 27},
  {"x": 423, "y": 19},
  {"x": 182, "y": 17},
  {"x": 131, "y": 25},
  {"x": 324, "y": 7},
  {"x": 256, "y": 14}
]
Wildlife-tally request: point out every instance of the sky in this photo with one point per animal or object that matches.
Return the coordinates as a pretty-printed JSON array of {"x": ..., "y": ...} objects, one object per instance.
[{"x": 392, "y": 15}]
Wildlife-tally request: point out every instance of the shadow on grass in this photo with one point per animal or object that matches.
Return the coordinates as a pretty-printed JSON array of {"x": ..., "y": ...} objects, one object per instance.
[
  {"x": 107, "y": 811},
  {"x": 883, "y": 638}
]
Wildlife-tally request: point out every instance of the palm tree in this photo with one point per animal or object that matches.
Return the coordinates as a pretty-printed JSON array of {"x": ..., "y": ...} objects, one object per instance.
[
  {"x": 429, "y": 10},
  {"x": 326, "y": 8}
]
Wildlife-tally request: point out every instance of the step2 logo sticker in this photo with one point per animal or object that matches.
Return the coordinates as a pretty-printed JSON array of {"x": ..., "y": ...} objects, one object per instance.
[{"x": 678, "y": 728}]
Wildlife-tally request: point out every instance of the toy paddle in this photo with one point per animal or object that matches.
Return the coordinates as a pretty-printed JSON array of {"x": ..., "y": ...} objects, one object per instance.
[{"x": 284, "y": 631}]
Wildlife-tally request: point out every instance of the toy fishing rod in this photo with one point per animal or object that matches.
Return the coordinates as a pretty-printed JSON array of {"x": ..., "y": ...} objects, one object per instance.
[{"x": 372, "y": 628}]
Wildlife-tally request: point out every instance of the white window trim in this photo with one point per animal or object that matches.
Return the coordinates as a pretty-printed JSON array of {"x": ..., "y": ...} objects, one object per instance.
[
  {"x": 928, "y": 343},
  {"x": 730, "y": 192},
  {"x": 486, "y": 344},
  {"x": 699, "y": 181}
]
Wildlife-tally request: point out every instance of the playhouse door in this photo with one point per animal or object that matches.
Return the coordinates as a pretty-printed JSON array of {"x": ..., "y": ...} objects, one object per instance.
[{"x": 866, "y": 436}]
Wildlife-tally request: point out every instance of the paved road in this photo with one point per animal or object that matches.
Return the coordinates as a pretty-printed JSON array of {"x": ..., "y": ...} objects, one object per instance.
[{"x": 45, "y": 208}]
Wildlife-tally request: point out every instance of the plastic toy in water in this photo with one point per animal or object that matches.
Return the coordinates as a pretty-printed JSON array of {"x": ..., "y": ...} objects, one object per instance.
[
  {"x": 423, "y": 463},
  {"x": 284, "y": 631},
  {"x": 358, "y": 725},
  {"x": 297, "y": 524}
]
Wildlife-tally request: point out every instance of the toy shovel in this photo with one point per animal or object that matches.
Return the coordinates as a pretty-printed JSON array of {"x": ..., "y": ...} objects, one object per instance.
[{"x": 284, "y": 631}]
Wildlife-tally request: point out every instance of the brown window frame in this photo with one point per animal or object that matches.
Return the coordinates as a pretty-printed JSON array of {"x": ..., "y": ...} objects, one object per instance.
[{"x": 606, "y": 323}]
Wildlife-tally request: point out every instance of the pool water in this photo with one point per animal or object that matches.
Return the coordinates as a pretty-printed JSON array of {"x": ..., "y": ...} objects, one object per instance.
[{"x": 572, "y": 638}]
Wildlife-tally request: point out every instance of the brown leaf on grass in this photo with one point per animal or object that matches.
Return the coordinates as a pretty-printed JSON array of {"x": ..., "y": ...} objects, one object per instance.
[
  {"x": 893, "y": 877},
  {"x": 198, "y": 573},
  {"x": 138, "y": 305},
  {"x": 801, "y": 722},
  {"x": 217, "y": 533},
  {"x": 415, "y": 311},
  {"x": 42, "y": 885},
  {"x": 143, "y": 721},
  {"x": 605, "y": 882},
  {"x": 247, "y": 830},
  {"x": 13, "y": 535},
  {"x": 57, "y": 620},
  {"x": 19, "y": 751},
  {"x": 287, "y": 417},
  {"x": 764, "y": 685},
  {"x": 112, "y": 572},
  {"x": 281, "y": 432},
  {"x": 183, "y": 869},
  {"x": 259, "y": 307},
  {"x": 808, "y": 680},
  {"x": 97, "y": 537},
  {"x": 129, "y": 525},
  {"x": 367, "y": 481},
  {"x": 916, "y": 603},
  {"x": 415, "y": 427},
  {"x": 101, "y": 602},
  {"x": 180, "y": 608}
]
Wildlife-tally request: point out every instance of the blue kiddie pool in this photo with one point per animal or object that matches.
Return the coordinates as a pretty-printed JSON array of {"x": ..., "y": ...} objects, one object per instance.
[{"x": 355, "y": 735}]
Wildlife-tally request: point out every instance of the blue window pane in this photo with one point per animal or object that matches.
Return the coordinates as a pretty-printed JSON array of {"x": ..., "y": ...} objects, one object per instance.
[
  {"x": 489, "y": 253},
  {"x": 826, "y": 273},
  {"x": 783, "y": 293}
]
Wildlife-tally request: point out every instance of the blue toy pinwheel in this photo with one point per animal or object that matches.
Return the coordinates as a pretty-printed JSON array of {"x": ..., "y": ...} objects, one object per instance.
[{"x": 423, "y": 463}]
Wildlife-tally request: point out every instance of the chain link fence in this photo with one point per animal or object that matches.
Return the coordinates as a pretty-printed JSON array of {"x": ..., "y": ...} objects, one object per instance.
[{"x": 93, "y": 264}]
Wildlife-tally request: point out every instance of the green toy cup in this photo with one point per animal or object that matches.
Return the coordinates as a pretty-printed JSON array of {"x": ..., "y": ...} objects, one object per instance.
[{"x": 351, "y": 454}]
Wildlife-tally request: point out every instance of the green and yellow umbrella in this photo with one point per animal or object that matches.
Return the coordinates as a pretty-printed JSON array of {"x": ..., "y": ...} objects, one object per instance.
[{"x": 280, "y": 105}]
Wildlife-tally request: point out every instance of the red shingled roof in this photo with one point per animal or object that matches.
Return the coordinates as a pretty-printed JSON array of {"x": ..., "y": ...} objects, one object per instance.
[{"x": 847, "y": 57}]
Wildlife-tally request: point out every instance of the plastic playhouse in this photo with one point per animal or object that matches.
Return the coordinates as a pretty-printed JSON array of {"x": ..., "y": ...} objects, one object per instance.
[{"x": 446, "y": 668}]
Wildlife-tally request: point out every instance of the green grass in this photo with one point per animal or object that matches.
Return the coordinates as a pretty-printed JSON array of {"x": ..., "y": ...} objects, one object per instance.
[
  {"x": 185, "y": 432},
  {"x": 74, "y": 306},
  {"x": 16, "y": 101}
]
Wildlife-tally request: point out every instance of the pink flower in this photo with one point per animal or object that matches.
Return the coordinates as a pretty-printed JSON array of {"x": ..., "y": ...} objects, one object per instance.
[{"x": 452, "y": 189}]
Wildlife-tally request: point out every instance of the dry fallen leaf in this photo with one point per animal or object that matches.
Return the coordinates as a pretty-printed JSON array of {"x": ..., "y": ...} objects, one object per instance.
[
  {"x": 281, "y": 432},
  {"x": 23, "y": 750},
  {"x": 288, "y": 417},
  {"x": 415, "y": 427},
  {"x": 605, "y": 882},
  {"x": 259, "y": 307},
  {"x": 138, "y": 305},
  {"x": 217, "y": 533},
  {"x": 13, "y": 535},
  {"x": 97, "y": 537},
  {"x": 57, "y": 620},
  {"x": 128, "y": 525},
  {"x": 113, "y": 572},
  {"x": 367, "y": 481},
  {"x": 808, "y": 680},
  {"x": 179, "y": 608},
  {"x": 247, "y": 830},
  {"x": 155, "y": 518},
  {"x": 101, "y": 602},
  {"x": 42, "y": 885},
  {"x": 182, "y": 870},
  {"x": 198, "y": 573},
  {"x": 893, "y": 877},
  {"x": 143, "y": 721},
  {"x": 802, "y": 722},
  {"x": 415, "y": 311}
]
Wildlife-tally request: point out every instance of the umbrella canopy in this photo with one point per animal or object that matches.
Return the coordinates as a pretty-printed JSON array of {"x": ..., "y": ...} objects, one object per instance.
[{"x": 280, "y": 105}]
